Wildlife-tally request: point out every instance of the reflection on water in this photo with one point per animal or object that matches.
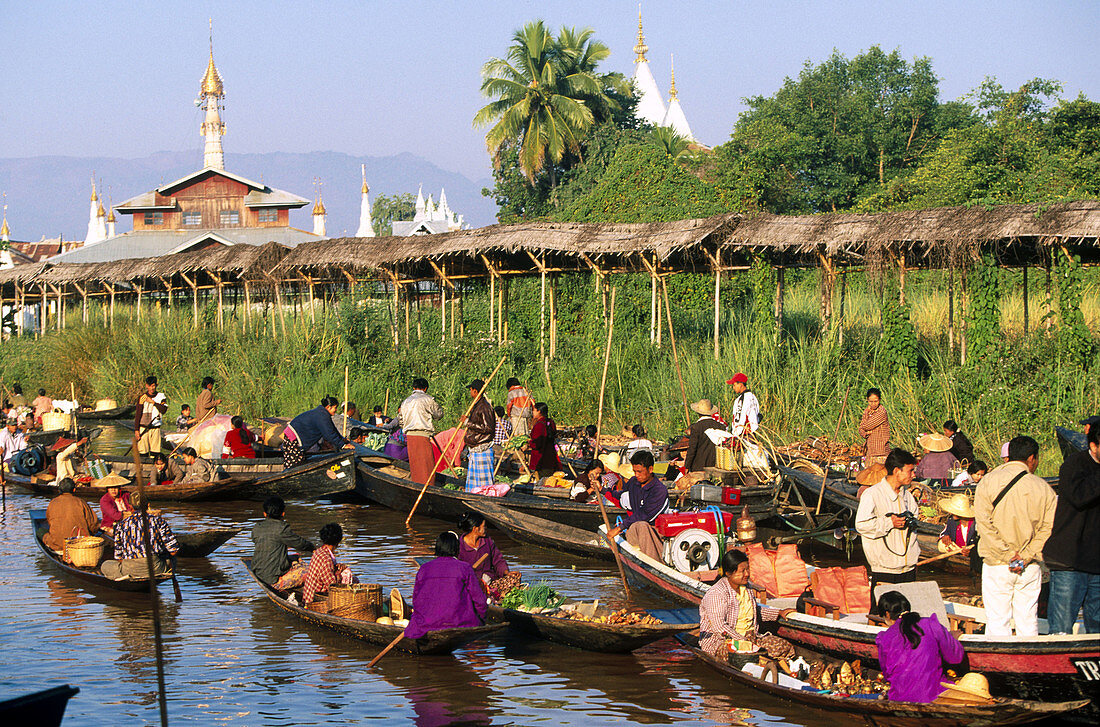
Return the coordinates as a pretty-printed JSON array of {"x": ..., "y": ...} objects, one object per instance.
[{"x": 230, "y": 656}]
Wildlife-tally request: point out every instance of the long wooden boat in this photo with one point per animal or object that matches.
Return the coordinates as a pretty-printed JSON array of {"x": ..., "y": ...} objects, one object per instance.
[
  {"x": 48, "y": 438},
  {"x": 1044, "y": 668},
  {"x": 387, "y": 483},
  {"x": 884, "y": 711},
  {"x": 662, "y": 579},
  {"x": 88, "y": 575},
  {"x": 545, "y": 533},
  {"x": 316, "y": 478},
  {"x": 203, "y": 543},
  {"x": 119, "y": 412},
  {"x": 588, "y": 635},
  {"x": 443, "y": 641},
  {"x": 45, "y": 708},
  {"x": 1070, "y": 441}
]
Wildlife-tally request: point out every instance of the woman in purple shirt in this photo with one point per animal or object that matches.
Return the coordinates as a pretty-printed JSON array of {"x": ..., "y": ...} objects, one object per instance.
[
  {"x": 479, "y": 550},
  {"x": 446, "y": 594},
  {"x": 913, "y": 651}
]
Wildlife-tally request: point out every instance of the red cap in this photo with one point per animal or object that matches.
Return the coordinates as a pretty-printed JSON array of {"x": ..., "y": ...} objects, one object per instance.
[{"x": 738, "y": 379}]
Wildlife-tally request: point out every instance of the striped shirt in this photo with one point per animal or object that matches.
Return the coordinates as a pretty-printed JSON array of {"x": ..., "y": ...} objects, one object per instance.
[
  {"x": 874, "y": 426},
  {"x": 130, "y": 541},
  {"x": 718, "y": 615},
  {"x": 503, "y": 431}
]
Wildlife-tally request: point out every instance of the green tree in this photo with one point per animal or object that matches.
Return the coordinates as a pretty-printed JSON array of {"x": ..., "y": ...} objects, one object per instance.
[
  {"x": 671, "y": 143},
  {"x": 386, "y": 209}
]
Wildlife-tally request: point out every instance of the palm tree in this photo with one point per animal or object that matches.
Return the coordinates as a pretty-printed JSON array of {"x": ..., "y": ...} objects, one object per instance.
[
  {"x": 673, "y": 144},
  {"x": 545, "y": 94},
  {"x": 578, "y": 58}
]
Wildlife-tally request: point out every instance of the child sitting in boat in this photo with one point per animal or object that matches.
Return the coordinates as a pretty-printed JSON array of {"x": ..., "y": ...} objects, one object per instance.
[
  {"x": 446, "y": 594},
  {"x": 323, "y": 568},
  {"x": 913, "y": 651},
  {"x": 729, "y": 610}
]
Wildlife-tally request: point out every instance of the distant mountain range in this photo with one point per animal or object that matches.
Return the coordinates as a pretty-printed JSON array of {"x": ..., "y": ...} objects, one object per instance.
[{"x": 48, "y": 195}]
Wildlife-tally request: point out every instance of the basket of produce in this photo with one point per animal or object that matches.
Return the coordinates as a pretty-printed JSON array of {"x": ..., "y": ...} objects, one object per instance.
[
  {"x": 357, "y": 600},
  {"x": 85, "y": 551},
  {"x": 54, "y": 420},
  {"x": 538, "y": 598}
]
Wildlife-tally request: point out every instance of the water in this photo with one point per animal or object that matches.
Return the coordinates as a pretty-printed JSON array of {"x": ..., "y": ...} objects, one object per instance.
[{"x": 232, "y": 657}]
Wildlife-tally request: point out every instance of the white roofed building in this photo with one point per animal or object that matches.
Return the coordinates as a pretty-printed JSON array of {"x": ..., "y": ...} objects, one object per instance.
[{"x": 430, "y": 218}]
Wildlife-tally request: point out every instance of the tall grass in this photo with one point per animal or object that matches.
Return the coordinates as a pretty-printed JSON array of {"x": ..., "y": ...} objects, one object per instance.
[{"x": 802, "y": 379}]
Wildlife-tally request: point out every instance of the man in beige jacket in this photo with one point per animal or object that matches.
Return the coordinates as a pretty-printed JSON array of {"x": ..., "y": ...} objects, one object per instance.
[
  {"x": 1014, "y": 514},
  {"x": 891, "y": 548}
]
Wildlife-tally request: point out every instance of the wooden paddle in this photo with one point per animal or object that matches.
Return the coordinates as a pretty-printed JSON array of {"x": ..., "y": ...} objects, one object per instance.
[
  {"x": 603, "y": 379},
  {"x": 386, "y": 650},
  {"x": 836, "y": 432},
  {"x": 941, "y": 556},
  {"x": 611, "y": 542},
  {"x": 443, "y": 453}
]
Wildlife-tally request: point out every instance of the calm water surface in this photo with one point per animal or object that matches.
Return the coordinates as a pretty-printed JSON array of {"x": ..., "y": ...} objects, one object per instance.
[{"x": 232, "y": 657}]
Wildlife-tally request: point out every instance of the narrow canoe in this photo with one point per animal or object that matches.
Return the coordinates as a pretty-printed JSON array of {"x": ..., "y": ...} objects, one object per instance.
[
  {"x": 588, "y": 635},
  {"x": 654, "y": 576},
  {"x": 202, "y": 544},
  {"x": 119, "y": 412},
  {"x": 884, "y": 711},
  {"x": 387, "y": 483},
  {"x": 544, "y": 533},
  {"x": 88, "y": 575},
  {"x": 49, "y": 438},
  {"x": 41, "y": 709},
  {"x": 443, "y": 641}
]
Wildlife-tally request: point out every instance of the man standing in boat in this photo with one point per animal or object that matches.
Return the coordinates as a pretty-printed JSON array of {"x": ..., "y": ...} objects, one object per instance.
[
  {"x": 519, "y": 407},
  {"x": 417, "y": 416},
  {"x": 1014, "y": 512},
  {"x": 882, "y": 521},
  {"x": 745, "y": 415},
  {"x": 150, "y": 407},
  {"x": 480, "y": 428}
]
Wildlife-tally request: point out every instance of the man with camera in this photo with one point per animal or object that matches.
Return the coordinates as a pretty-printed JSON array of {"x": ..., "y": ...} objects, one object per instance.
[
  {"x": 884, "y": 521},
  {"x": 1014, "y": 514}
]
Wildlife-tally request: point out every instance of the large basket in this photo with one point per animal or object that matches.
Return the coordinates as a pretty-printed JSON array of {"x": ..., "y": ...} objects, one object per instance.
[
  {"x": 358, "y": 600},
  {"x": 56, "y": 420},
  {"x": 320, "y": 606},
  {"x": 85, "y": 551},
  {"x": 106, "y": 405}
]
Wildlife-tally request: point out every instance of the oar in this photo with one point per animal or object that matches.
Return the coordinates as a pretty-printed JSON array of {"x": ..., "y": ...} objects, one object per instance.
[
  {"x": 941, "y": 556},
  {"x": 603, "y": 380},
  {"x": 443, "y": 453},
  {"x": 836, "y": 432},
  {"x": 386, "y": 650},
  {"x": 611, "y": 541},
  {"x": 344, "y": 406}
]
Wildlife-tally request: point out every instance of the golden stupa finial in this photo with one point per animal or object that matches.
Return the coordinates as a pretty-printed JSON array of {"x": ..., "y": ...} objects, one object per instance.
[
  {"x": 5, "y": 231},
  {"x": 672, "y": 88},
  {"x": 640, "y": 48},
  {"x": 101, "y": 212},
  {"x": 95, "y": 196},
  {"x": 366, "y": 189},
  {"x": 110, "y": 208},
  {"x": 211, "y": 81},
  {"x": 319, "y": 207}
]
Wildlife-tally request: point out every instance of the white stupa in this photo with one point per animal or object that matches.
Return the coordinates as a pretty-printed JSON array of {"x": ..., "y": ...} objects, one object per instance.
[
  {"x": 651, "y": 108},
  {"x": 366, "y": 224},
  {"x": 675, "y": 117}
]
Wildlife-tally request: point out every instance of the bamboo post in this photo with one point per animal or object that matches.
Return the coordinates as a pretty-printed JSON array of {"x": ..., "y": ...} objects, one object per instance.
[
  {"x": 279, "y": 303},
  {"x": 138, "y": 288},
  {"x": 780, "y": 280},
  {"x": 675, "y": 354},
  {"x": 603, "y": 378},
  {"x": 442, "y": 308},
  {"x": 21, "y": 294},
  {"x": 653, "y": 312},
  {"x": 83, "y": 303},
  {"x": 964, "y": 305},
  {"x": 218, "y": 282},
  {"x": 717, "y": 291},
  {"x": 112, "y": 286},
  {"x": 194, "y": 298},
  {"x": 836, "y": 432},
  {"x": 45, "y": 308},
  {"x": 553, "y": 321},
  {"x": 901, "y": 277},
  {"x": 344, "y": 406},
  {"x": 951, "y": 308},
  {"x": 442, "y": 454},
  {"x": 1025, "y": 301},
  {"x": 542, "y": 314},
  {"x": 840, "y": 312}
]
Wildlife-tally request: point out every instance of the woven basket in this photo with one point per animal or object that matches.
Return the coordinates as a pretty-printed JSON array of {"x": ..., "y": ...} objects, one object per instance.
[
  {"x": 358, "y": 600},
  {"x": 85, "y": 551},
  {"x": 56, "y": 420},
  {"x": 105, "y": 404},
  {"x": 318, "y": 606}
]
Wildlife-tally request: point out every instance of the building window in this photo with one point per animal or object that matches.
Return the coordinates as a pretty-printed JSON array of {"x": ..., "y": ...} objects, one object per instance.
[
  {"x": 269, "y": 216},
  {"x": 192, "y": 219},
  {"x": 154, "y": 218},
  {"x": 230, "y": 217}
]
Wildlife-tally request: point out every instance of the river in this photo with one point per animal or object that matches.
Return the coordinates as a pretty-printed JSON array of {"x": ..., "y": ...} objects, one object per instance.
[{"x": 232, "y": 657}]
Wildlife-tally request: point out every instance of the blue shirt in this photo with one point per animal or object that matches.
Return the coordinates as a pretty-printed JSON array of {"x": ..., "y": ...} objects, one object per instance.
[
  {"x": 314, "y": 425},
  {"x": 646, "y": 501}
]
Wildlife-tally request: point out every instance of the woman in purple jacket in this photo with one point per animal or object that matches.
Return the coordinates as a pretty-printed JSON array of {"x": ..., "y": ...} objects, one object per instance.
[
  {"x": 446, "y": 594},
  {"x": 913, "y": 651}
]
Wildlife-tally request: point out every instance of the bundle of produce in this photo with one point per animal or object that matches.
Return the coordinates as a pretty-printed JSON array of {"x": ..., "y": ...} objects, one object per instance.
[
  {"x": 822, "y": 449},
  {"x": 618, "y": 618},
  {"x": 534, "y": 599}
]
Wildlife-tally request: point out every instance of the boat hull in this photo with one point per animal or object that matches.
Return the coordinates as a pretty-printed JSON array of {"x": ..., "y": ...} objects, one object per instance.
[
  {"x": 543, "y": 533},
  {"x": 589, "y": 636}
]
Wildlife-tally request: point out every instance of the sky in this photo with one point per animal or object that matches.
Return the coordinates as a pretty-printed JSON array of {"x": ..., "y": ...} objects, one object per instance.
[{"x": 380, "y": 78}]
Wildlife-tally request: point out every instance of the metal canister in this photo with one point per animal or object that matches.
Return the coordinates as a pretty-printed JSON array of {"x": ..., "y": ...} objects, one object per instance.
[{"x": 746, "y": 526}]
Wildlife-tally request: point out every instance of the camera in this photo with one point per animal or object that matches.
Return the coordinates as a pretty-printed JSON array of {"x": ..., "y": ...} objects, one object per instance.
[{"x": 911, "y": 521}]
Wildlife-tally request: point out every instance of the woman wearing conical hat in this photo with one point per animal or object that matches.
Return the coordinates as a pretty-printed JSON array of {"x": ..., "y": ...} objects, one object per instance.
[
  {"x": 937, "y": 462},
  {"x": 959, "y": 532},
  {"x": 700, "y": 450}
]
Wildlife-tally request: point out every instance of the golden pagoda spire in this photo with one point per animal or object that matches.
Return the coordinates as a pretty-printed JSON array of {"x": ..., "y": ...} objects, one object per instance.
[
  {"x": 366, "y": 189},
  {"x": 102, "y": 212},
  {"x": 640, "y": 48},
  {"x": 5, "y": 231},
  {"x": 672, "y": 88},
  {"x": 211, "y": 80},
  {"x": 95, "y": 196},
  {"x": 319, "y": 207}
]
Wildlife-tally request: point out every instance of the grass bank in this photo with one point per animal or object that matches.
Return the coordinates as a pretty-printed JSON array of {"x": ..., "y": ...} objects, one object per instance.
[{"x": 801, "y": 376}]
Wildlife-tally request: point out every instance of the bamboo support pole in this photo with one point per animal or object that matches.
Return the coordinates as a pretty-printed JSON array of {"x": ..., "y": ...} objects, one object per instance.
[
  {"x": 675, "y": 354},
  {"x": 492, "y": 294},
  {"x": 901, "y": 277},
  {"x": 603, "y": 378},
  {"x": 553, "y": 321},
  {"x": 112, "y": 286},
  {"x": 951, "y": 308},
  {"x": 194, "y": 298},
  {"x": 247, "y": 305},
  {"x": 1025, "y": 301},
  {"x": 139, "y": 290},
  {"x": 840, "y": 312},
  {"x": 45, "y": 309},
  {"x": 220, "y": 285}
]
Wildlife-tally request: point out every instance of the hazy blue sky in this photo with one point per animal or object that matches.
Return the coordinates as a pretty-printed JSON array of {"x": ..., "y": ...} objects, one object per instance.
[{"x": 118, "y": 79}]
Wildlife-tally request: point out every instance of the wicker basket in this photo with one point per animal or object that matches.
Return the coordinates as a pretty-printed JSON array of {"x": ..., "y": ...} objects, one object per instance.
[
  {"x": 106, "y": 404},
  {"x": 318, "y": 606},
  {"x": 358, "y": 600},
  {"x": 54, "y": 420},
  {"x": 85, "y": 551}
]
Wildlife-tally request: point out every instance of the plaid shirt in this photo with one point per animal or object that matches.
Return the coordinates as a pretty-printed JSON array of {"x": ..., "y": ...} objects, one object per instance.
[
  {"x": 718, "y": 615},
  {"x": 874, "y": 426},
  {"x": 130, "y": 542},
  {"x": 321, "y": 573},
  {"x": 503, "y": 431}
]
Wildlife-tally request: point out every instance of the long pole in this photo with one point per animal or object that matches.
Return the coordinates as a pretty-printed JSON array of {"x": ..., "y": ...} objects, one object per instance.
[
  {"x": 386, "y": 650},
  {"x": 443, "y": 453},
  {"x": 825, "y": 476},
  {"x": 675, "y": 355},
  {"x": 606, "y": 360},
  {"x": 344, "y": 406},
  {"x": 611, "y": 541},
  {"x": 72, "y": 393},
  {"x": 941, "y": 556}
]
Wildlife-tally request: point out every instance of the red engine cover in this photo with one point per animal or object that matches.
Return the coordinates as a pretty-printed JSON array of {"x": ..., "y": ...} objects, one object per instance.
[{"x": 671, "y": 524}]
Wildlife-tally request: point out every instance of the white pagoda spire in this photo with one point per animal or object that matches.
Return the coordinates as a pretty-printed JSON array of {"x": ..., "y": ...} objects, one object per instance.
[
  {"x": 319, "y": 217},
  {"x": 366, "y": 225},
  {"x": 675, "y": 117},
  {"x": 429, "y": 209},
  {"x": 5, "y": 231},
  {"x": 211, "y": 94},
  {"x": 419, "y": 215},
  {"x": 651, "y": 108},
  {"x": 111, "y": 223},
  {"x": 96, "y": 233}
]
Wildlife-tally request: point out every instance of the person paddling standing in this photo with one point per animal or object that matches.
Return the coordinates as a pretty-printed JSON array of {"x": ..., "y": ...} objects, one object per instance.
[
  {"x": 150, "y": 407},
  {"x": 206, "y": 406}
]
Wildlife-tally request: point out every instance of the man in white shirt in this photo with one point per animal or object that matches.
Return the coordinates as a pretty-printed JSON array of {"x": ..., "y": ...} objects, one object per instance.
[
  {"x": 745, "y": 416},
  {"x": 889, "y": 545},
  {"x": 12, "y": 439},
  {"x": 151, "y": 406}
]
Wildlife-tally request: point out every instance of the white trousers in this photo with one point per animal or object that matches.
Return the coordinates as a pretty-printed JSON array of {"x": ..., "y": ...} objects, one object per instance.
[{"x": 1010, "y": 598}]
